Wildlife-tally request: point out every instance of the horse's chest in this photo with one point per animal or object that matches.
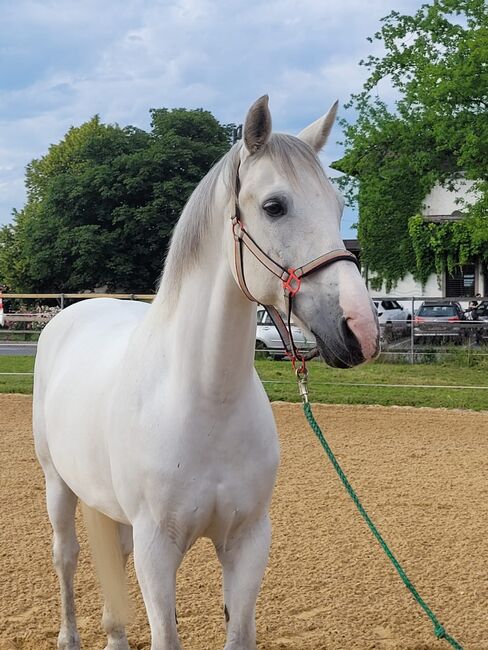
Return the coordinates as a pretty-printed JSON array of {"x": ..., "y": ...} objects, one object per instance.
[
  {"x": 210, "y": 480},
  {"x": 233, "y": 469},
  {"x": 221, "y": 501}
]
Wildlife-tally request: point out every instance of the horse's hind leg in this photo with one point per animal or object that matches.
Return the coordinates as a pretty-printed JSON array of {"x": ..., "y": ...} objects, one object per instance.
[
  {"x": 116, "y": 637},
  {"x": 61, "y": 506}
]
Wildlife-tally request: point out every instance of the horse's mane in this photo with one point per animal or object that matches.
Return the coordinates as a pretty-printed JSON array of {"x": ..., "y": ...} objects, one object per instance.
[{"x": 288, "y": 153}]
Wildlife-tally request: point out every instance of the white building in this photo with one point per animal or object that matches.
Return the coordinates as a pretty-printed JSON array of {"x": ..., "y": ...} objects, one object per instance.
[{"x": 445, "y": 203}]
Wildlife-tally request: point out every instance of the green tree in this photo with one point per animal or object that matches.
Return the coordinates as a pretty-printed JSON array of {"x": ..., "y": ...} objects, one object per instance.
[
  {"x": 437, "y": 63},
  {"x": 103, "y": 202}
]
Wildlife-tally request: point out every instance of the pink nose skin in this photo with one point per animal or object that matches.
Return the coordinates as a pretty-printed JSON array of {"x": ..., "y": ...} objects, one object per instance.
[
  {"x": 366, "y": 330},
  {"x": 358, "y": 310}
]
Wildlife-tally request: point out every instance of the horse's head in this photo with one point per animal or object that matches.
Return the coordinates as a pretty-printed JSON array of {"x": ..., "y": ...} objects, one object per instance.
[{"x": 291, "y": 210}]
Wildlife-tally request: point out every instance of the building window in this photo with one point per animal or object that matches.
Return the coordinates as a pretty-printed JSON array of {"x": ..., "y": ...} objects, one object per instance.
[{"x": 461, "y": 283}]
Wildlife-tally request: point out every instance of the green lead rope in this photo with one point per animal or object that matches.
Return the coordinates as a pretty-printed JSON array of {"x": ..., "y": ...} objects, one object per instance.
[{"x": 439, "y": 631}]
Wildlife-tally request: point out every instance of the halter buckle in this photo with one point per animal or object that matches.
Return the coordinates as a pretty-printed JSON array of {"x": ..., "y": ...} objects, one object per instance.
[
  {"x": 237, "y": 228},
  {"x": 292, "y": 284}
]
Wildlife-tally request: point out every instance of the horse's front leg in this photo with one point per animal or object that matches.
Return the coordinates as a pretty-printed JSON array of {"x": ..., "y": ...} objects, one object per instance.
[
  {"x": 244, "y": 563},
  {"x": 156, "y": 560}
]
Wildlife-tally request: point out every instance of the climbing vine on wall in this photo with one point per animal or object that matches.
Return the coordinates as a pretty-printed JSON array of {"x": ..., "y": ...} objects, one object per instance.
[
  {"x": 436, "y": 131},
  {"x": 438, "y": 246}
]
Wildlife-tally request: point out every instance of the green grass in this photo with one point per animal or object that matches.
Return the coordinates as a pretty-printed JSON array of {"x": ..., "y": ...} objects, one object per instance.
[
  {"x": 332, "y": 386},
  {"x": 280, "y": 384},
  {"x": 17, "y": 336},
  {"x": 16, "y": 383}
]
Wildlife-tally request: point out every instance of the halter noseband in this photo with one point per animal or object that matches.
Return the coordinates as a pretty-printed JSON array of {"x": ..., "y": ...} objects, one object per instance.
[{"x": 291, "y": 278}]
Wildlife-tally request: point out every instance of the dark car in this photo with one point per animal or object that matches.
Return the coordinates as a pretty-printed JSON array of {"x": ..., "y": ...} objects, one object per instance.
[{"x": 443, "y": 319}]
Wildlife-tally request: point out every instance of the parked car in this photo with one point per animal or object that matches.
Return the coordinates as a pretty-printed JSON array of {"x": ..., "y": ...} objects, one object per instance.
[
  {"x": 439, "y": 318},
  {"x": 268, "y": 339},
  {"x": 393, "y": 318}
]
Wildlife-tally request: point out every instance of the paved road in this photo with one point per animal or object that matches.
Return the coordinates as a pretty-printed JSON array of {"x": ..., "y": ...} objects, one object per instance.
[{"x": 18, "y": 349}]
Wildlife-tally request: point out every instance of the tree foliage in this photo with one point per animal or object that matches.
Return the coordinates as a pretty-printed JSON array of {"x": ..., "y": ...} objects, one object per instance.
[
  {"x": 437, "y": 64},
  {"x": 102, "y": 203}
]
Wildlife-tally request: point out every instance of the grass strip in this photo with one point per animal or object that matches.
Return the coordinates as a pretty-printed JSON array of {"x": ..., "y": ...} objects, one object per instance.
[{"x": 375, "y": 383}]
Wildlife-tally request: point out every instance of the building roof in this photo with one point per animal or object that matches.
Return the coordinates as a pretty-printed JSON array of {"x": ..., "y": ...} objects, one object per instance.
[{"x": 352, "y": 245}]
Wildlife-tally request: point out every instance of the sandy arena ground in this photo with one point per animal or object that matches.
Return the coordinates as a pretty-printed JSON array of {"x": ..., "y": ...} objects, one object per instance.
[{"x": 421, "y": 473}]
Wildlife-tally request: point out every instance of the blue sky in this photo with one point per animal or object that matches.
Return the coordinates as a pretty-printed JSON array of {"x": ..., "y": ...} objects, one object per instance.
[{"x": 62, "y": 61}]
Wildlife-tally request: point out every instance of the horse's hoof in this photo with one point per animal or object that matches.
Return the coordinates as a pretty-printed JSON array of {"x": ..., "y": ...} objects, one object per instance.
[
  {"x": 69, "y": 641},
  {"x": 118, "y": 644}
]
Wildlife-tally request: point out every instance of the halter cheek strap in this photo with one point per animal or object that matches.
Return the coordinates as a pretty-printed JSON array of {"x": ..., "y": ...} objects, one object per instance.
[{"x": 291, "y": 278}]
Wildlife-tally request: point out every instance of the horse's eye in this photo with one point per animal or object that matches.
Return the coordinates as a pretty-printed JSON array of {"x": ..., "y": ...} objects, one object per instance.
[{"x": 274, "y": 208}]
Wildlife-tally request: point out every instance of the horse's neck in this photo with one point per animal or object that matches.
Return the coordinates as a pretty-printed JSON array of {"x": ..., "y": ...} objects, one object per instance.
[
  {"x": 210, "y": 330},
  {"x": 216, "y": 330}
]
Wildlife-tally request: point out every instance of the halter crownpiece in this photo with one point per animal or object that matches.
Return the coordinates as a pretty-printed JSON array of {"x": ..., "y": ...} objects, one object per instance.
[{"x": 291, "y": 278}]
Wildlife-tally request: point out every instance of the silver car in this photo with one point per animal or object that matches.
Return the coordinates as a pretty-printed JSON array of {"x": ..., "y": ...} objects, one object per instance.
[
  {"x": 268, "y": 339},
  {"x": 394, "y": 319}
]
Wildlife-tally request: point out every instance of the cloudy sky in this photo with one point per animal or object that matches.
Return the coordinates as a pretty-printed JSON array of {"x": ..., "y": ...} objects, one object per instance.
[{"x": 62, "y": 61}]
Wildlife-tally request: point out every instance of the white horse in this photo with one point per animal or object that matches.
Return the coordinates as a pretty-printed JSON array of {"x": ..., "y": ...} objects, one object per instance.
[{"x": 154, "y": 417}]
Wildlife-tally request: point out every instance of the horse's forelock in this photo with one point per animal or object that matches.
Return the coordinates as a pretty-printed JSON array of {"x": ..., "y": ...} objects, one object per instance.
[{"x": 293, "y": 157}]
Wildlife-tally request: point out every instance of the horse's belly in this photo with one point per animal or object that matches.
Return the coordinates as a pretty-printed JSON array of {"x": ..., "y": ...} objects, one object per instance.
[{"x": 76, "y": 438}]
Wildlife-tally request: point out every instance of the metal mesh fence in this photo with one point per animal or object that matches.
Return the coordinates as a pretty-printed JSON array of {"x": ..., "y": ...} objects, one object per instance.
[{"x": 413, "y": 329}]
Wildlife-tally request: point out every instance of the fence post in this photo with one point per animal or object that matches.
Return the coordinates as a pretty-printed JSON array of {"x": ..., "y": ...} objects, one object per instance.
[
  {"x": 62, "y": 301},
  {"x": 412, "y": 338}
]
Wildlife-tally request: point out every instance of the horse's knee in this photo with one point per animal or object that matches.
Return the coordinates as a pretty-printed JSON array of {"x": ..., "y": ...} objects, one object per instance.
[{"x": 65, "y": 553}]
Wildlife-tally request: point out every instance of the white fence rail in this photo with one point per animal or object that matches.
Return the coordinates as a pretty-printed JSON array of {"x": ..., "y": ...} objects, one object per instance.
[{"x": 404, "y": 336}]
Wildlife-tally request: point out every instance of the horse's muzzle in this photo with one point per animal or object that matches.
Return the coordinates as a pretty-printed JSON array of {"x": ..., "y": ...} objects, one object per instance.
[
  {"x": 343, "y": 352},
  {"x": 343, "y": 342}
]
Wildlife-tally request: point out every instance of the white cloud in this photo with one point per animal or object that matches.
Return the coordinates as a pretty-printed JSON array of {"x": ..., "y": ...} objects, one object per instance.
[{"x": 66, "y": 60}]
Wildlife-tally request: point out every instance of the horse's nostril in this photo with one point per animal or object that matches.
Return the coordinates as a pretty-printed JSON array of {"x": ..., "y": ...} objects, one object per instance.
[
  {"x": 347, "y": 333},
  {"x": 359, "y": 335},
  {"x": 351, "y": 342}
]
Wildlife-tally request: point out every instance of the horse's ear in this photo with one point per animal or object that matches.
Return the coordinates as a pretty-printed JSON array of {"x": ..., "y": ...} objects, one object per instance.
[
  {"x": 257, "y": 128},
  {"x": 316, "y": 134}
]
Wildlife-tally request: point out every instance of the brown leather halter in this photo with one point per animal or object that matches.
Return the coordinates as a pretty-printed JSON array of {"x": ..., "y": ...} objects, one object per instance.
[{"x": 291, "y": 278}]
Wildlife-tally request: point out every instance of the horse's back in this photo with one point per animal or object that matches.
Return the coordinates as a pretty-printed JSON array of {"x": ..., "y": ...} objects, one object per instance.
[
  {"x": 91, "y": 319},
  {"x": 85, "y": 339}
]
